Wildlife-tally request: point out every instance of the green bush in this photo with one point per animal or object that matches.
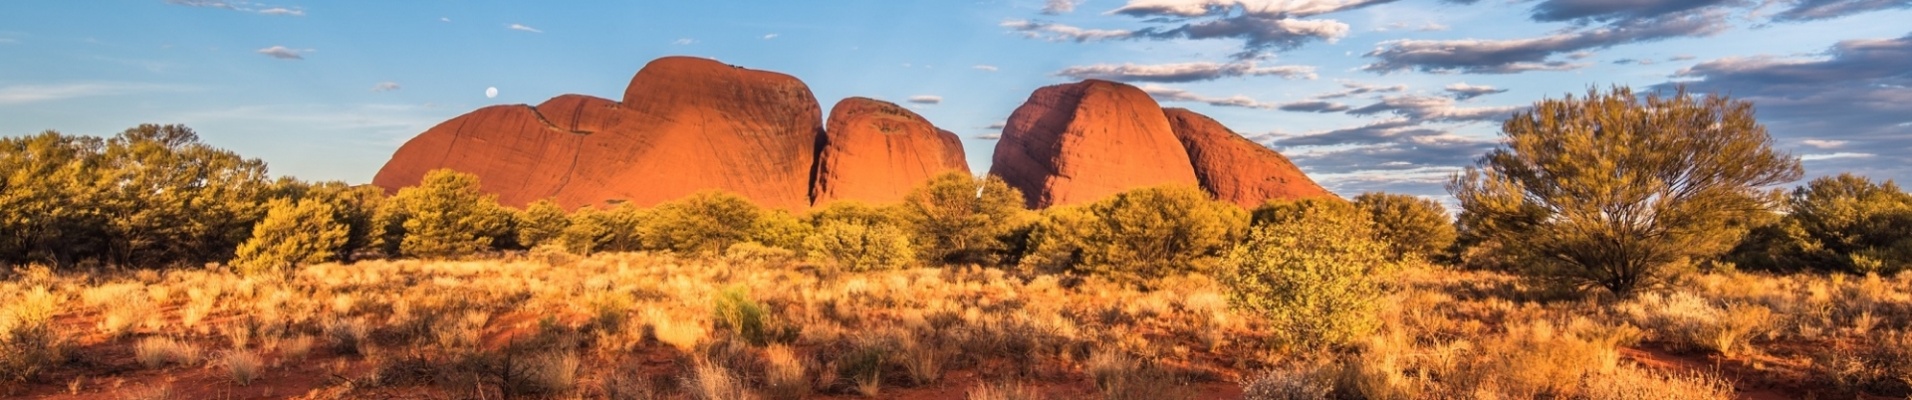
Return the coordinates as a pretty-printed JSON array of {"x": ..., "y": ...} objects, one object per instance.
[
  {"x": 590, "y": 230},
  {"x": 355, "y": 207},
  {"x": 1315, "y": 274},
  {"x": 1620, "y": 192},
  {"x": 445, "y": 216},
  {"x": 858, "y": 237},
  {"x": 743, "y": 316},
  {"x": 543, "y": 222},
  {"x": 706, "y": 222},
  {"x": 292, "y": 234},
  {"x": 1412, "y": 227},
  {"x": 956, "y": 218},
  {"x": 1138, "y": 236},
  {"x": 1843, "y": 223}
]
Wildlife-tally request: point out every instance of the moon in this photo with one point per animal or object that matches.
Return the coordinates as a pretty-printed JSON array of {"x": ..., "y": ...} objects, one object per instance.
[{"x": 491, "y": 92}]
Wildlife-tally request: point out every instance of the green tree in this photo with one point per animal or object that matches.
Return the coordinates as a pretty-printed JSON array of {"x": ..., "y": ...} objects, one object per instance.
[
  {"x": 49, "y": 209},
  {"x": 355, "y": 207},
  {"x": 706, "y": 222},
  {"x": 542, "y": 222},
  {"x": 858, "y": 237},
  {"x": 1844, "y": 223},
  {"x": 956, "y": 218},
  {"x": 615, "y": 230},
  {"x": 1412, "y": 227},
  {"x": 1140, "y": 235},
  {"x": 292, "y": 234},
  {"x": 175, "y": 200},
  {"x": 1620, "y": 191},
  {"x": 1285, "y": 210},
  {"x": 446, "y": 216},
  {"x": 1316, "y": 274}
]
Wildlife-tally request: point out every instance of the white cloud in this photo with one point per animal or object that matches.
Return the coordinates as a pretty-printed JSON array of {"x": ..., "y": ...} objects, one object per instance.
[
  {"x": 684, "y": 42},
  {"x": 284, "y": 53},
  {"x": 926, "y": 99},
  {"x": 522, "y": 27},
  {"x": 1464, "y": 91},
  {"x": 989, "y": 136},
  {"x": 1164, "y": 93},
  {"x": 1822, "y": 143},
  {"x": 27, "y": 94},
  {"x": 444, "y": 19},
  {"x": 771, "y": 36},
  {"x": 283, "y": 11},
  {"x": 1835, "y": 156},
  {"x": 1058, "y": 32},
  {"x": 985, "y": 67},
  {"x": 1059, "y": 7},
  {"x": 1184, "y": 72},
  {"x": 385, "y": 86}
]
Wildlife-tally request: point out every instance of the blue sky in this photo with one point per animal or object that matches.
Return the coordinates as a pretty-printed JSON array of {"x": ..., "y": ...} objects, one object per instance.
[{"x": 1363, "y": 94}]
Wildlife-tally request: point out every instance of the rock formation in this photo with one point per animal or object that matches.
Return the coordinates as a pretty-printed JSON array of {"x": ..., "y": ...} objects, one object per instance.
[
  {"x": 1236, "y": 169},
  {"x": 684, "y": 125},
  {"x": 1077, "y": 143},
  {"x": 875, "y": 151}
]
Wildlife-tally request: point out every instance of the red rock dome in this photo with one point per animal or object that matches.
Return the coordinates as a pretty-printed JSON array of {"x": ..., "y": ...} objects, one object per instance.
[
  {"x": 1077, "y": 143},
  {"x": 875, "y": 151}
]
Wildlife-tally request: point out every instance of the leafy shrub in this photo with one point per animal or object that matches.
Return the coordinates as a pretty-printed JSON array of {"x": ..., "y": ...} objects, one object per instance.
[
  {"x": 1412, "y": 227},
  {"x": 590, "y": 230},
  {"x": 1138, "y": 236},
  {"x": 1619, "y": 192},
  {"x": 445, "y": 216},
  {"x": 706, "y": 222},
  {"x": 292, "y": 234},
  {"x": 743, "y": 316},
  {"x": 857, "y": 237},
  {"x": 957, "y": 218},
  {"x": 542, "y": 222},
  {"x": 1315, "y": 274},
  {"x": 1843, "y": 223}
]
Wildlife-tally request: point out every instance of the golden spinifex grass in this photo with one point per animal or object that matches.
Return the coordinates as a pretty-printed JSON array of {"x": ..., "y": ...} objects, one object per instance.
[{"x": 612, "y": 325}]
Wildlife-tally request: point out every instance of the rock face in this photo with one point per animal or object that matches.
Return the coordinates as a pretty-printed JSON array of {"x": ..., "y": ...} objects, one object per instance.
[
  {"x": 875, "y": 151},
  {"x": 1077, "y": 143},
  {"x": 684, "y": 125},
  {"x": 1236, "y": 169}
]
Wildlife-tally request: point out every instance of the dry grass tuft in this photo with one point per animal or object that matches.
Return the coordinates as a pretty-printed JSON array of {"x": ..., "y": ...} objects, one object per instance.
[
  {"x": 156, "y": 352},
  {"x": 243, "y": 366}
]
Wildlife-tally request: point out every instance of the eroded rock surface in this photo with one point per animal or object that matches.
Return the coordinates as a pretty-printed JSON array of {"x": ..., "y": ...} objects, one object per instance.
[
  {"x": 876, "y": 152},
  {"x": 1236, "y": 169},
  {"x": 1077, "y": 143}
]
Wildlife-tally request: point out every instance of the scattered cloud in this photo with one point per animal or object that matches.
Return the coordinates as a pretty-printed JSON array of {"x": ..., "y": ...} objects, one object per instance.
[
  {"x": 1682, "y": 57},
  {"x": 1184, "y": 72},
  {"x": 985, "y": 67},
  {"x": 1623, "y": 23},
  {"x": 771, "y": 36},
  {"x": 684, "y": 42},
  {"x": 1058, "y": 32},
  {"x": 28, "y": 94},
  {"x": 522, "y": 27},
  {"x": 989, "y": 136},
  {"x": 1350, "y": 89},
  {"x": 1822, "y": 143},
  {"x": 240, "y": 5},
  {"x": 1059, "y": 7},
  {"x": 1263, "y": 26},
  {"x": 1169, "y": 94},
  {"x": 1315, "y": 106},
  {"x": 1634, "y": 61},
  {"x": 1813, "y": 10},
  {"x": 1856, "y": 94},
  {"x": 385, "y": 86},
  {"x": 996, "y": 126},
  {"x": 1834, "y": 156},
  {"x": 1464, "y": 91},
  {"x": 1419, "y": 108},
  {"x": 444, "y": 19},
  {"x": 283, "y": 11},
  {"x": 284, "y": 53},
  {"x": 926, "y": 99}
]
